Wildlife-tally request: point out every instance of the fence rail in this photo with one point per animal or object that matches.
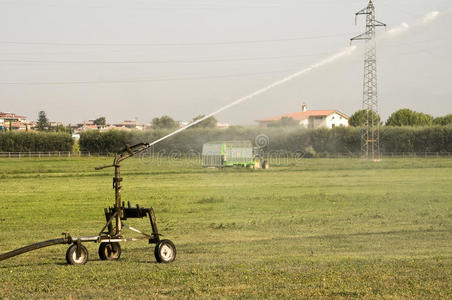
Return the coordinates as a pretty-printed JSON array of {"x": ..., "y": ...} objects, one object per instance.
[
  {"x": 273, "y": 155},
  {"x": 384, "y": 155},
  {"x": 44, "y": 154}
]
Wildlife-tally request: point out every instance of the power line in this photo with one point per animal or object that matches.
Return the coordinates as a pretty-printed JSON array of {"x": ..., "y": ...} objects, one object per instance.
[
  {"x": 194, "y": 60},
  {"x": 145, "y": 80},
  {"x": 170, "y": 78},
  {"x": 159, "y": 61},
  {"x": 146, "y": 7},
  {"x": 173, "y": 44},
  {"x": 447, "y": 45}
]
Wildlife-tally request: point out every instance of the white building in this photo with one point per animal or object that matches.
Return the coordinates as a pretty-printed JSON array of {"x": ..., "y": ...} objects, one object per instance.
[
  {"x": 313, "y": 118},
  {"x": 129, "y": 125},
  {"x": 223, "y": 125}
]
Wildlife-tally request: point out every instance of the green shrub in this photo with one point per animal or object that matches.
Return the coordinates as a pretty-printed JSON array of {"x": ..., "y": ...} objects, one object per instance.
[
  {"x": 14, "y": 141},
  {"x": 314, "y": 141}
]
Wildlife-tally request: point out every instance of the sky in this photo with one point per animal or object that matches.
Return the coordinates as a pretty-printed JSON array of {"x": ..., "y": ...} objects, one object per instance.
[{"x": 127, "y": 60}]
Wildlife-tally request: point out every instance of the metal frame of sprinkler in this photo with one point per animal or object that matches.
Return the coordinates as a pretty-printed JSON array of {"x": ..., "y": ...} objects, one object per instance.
[
  {"x": 112, "y": 234},
  {"x": 370, "y": 135}
]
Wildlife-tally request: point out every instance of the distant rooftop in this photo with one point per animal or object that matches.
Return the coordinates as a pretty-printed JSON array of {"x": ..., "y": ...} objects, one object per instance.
[{"x": 304, "y": 114}]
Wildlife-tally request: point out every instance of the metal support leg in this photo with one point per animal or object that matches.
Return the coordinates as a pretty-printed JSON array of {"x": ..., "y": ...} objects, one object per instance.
[
  {"x": 78, "y": 251},
  {"x": 155, "y": 232}
]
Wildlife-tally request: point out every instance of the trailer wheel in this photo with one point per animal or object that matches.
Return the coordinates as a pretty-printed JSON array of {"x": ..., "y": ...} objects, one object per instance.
[
  {"x": 73, "y": 259},
  {"x": 109, "y": 251},
  {"x": 165, "y": 251}
]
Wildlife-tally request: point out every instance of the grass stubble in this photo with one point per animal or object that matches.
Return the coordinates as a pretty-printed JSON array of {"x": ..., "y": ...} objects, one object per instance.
[{"x": 315, "y": 228}]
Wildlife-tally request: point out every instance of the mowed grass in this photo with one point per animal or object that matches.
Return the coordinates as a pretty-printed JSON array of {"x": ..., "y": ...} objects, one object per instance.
[{"x": 317, "y": 228}]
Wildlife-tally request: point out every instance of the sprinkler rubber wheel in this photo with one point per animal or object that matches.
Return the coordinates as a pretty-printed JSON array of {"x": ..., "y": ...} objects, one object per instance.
[
  {"x": 109, "y": 251},
  {"x": 71, "y": 255},
  {"x": 165, "y": 251}
]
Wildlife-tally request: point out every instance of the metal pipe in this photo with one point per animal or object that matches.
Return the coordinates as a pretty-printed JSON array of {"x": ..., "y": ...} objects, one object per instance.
[
  {"x": 136, "y": 230},
  {"x": 86, "y": 238},
  {"x": 122, "y": 240},
  {"x": 117, "y": 187},
  {"x": 35, "y": 246}
]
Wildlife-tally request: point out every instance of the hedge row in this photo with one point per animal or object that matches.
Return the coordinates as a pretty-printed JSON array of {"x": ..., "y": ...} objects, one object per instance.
[
  {"x": 337, "y": 140},
  {"x": 13, "y": 141}
]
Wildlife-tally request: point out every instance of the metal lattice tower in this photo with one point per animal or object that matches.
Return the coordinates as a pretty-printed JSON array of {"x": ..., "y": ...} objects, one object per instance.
[{"x": 370, "y": 135}]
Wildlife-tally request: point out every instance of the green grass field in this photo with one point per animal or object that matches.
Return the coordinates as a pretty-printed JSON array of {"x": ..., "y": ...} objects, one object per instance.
[{"x": 318, "y": 228}]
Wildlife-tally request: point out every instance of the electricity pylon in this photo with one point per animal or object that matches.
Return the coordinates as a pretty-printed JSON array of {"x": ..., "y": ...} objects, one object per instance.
[{"x": 370, "y": 135}]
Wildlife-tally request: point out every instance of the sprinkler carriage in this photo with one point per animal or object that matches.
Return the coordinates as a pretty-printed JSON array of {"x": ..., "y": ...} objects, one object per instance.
[{"x": 112, "y": 234}]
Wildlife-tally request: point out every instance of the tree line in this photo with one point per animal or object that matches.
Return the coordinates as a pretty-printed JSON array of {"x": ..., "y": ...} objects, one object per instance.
[
  {"x": 401, "y": 117},
  {"x": 405, "y": 131},
  {"x": 287, "y": 139},
  {"x": 310, "y": 142},
  {"x": 168, "y": 123},
  {"x": 19, "y": 141},
  {"x": 43, "y": 124}
]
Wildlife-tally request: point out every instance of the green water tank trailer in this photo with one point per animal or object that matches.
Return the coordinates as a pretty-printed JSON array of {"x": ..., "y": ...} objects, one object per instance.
[{"x": 231, "y": 153}]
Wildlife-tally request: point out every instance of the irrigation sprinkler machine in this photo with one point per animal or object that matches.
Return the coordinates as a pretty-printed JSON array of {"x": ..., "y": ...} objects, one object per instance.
[{"x": 112, "y": 234}]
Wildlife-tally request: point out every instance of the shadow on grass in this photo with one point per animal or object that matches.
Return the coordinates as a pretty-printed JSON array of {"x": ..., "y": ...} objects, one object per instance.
[
  {"x": 27, "y": 265},
  {"x": 392, "y": 232},
  {"x": 324, "y": 236}
]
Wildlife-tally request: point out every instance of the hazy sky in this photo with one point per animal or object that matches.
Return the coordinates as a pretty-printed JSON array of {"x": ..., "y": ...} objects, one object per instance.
[{"x": 78, "y": 60}]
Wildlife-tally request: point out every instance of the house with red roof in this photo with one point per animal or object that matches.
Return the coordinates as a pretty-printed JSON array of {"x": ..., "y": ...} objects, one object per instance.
[
  {"x": 12, "y": 121},
  {"x": 12, "y": 117},
  {"x": 313, "y": 118}
]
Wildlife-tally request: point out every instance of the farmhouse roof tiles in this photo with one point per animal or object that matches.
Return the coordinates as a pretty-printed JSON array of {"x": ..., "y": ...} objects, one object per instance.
[{"x": 302, "y": 115}]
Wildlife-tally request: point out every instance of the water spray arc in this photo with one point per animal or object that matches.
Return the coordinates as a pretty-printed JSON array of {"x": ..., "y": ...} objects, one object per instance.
[
  {"x": 347, "y": 51},
  {"x": 370, "y": 136}
]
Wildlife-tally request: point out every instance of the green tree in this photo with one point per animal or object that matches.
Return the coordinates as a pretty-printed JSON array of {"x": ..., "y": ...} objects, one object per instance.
[
  {"x": 358, "y": 119},
  {"x": 210, "y": 122},
  {"x": 60, "y": 128},
  {"x": 43, "y": 122},
  {"x": 407, "y": 117},
  {"x": 100, "y": 121},
  {"x": 446, "y": 120},
  {"x": 22, "y": 141},
  {"x": 164, "y": 122},
  {"x": 284, "y": 122}
]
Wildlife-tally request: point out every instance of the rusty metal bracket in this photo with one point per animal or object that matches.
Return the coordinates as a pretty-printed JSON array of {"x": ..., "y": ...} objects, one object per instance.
[{"x": 78, "y": 251}]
